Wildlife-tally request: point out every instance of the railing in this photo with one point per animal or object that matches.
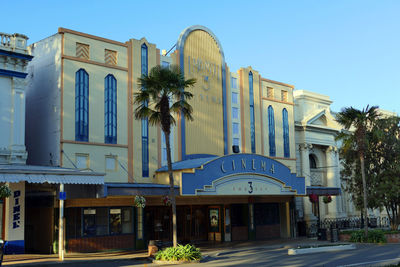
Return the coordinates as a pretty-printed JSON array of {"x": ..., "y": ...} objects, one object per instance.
[
  {"x": 317, "y": 177},
  {"x": 13, "y": 42},
  {"x": 5, "y": 39},
  {"x": 355, "y": 222}
]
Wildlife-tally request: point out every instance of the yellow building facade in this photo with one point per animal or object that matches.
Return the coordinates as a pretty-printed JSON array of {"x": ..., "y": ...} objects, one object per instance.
[{"x": 234, "y": 164}]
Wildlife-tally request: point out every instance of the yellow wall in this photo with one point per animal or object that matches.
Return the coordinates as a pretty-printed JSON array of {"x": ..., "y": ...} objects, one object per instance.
[
  {"x": 137, "y": 124},
  {"x": 205, "y": 134},
  {"x": 245, "y": 109},
  {"x": 97, "y": 157}
]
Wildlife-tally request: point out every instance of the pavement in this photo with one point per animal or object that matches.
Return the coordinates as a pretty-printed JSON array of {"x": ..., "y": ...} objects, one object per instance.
[{"x": 206, "y": 248}]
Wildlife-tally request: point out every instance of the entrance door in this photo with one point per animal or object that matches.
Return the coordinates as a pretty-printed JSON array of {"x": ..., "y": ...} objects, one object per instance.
[
  {"x": 228, "y": 236},
  {"x": 184, "y": 218},
  {"x": 214, "y": 219},
  {"x": 240, "y": 221},
  {"x": 267, "y": 220},
  {"x": 199, "y": 223}
]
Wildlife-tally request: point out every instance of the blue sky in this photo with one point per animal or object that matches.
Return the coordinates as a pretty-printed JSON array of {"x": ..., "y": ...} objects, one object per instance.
[{"x": 348, "y": 50}]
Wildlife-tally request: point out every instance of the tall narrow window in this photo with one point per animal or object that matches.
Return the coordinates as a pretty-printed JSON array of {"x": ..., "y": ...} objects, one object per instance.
[
  {"x": 286, "y": 148},
  {"x": 81, "y": 106},
  {"x": 110, "y": 109},
  {"x": 271, "y": 132},
  {"x": 252, "y": 126},
  {"x": 145, "y": 122}
]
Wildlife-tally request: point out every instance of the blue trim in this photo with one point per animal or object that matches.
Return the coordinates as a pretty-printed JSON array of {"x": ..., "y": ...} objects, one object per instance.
[
  {"x": 217, "y": 168},
  {"x": 15, "y": 247},
  {"x": 180, "y": 47},
  {"x": 15, "y": 55},
  {"x": 199, "y": 156},
  {"x": 11, "y": 73}
]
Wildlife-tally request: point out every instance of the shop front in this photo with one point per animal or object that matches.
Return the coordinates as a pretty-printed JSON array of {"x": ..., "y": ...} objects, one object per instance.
[{"x": 229, "y": 198}]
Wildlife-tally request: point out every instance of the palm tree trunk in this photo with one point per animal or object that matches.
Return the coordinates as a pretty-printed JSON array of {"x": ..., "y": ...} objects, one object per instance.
[
  {"x": 364, "y": 195},
  {"x": 171, "y": 190}
]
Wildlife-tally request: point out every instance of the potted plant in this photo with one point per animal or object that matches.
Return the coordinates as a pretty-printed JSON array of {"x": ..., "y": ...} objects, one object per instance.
[
  {"x": 313, "y": 198},
  {"x": 327, "y": 199},
  {"x": 140, "y": 202},
  {"x": 166, "y": 200}
]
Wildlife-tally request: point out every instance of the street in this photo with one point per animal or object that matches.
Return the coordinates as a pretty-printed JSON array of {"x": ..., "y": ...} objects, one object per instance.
[{"x": 273, "y": 256}]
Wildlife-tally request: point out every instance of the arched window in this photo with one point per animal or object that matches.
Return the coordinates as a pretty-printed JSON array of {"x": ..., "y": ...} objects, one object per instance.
[
  {"x": 145, "y": 122},
  {"x": 252, "y": 126},
  {"x": 271, "y": 132},
  {"x": 286, "y": 148},
  {"x": 313, "y": 162},
  {"x": 110, "y": 109},
  {"x": 81, "y": 106}
]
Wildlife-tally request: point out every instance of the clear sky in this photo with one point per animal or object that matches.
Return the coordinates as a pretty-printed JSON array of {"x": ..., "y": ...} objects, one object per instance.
[{"x": 348, "y": 50}]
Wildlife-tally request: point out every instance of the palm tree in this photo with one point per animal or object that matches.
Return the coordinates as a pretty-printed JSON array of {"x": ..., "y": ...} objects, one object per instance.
[
  {"x": 157, "y": 89},
  {"x": 361, "y": 121}
]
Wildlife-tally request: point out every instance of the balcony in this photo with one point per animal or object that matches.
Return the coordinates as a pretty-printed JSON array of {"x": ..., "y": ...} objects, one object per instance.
[{"x": 317, "y": 177}]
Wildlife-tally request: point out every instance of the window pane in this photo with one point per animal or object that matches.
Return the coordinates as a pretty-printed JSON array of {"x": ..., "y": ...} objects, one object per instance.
[
  {"x": 102, "y": 221},
  {"x": 127, "y": 222},
  {"x": 233, "y": 83},
  {"x": 235, "y": 128},
  {"x": 115, "y": 221},
  {"x": 89, "y": 222},
  {"x": 235, "y": 113},
  {"x": 235, "y": 98},
  {"x": 236, "y": 141}
]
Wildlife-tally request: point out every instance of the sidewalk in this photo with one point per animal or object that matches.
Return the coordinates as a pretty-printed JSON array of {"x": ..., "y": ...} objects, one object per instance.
[
  {"x": 70, "y": 258},
  {"x": 206, "y": 248}
]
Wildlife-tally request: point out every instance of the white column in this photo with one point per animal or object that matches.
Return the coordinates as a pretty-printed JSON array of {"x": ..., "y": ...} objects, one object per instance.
[
  {"x": 333, "y": 180},
  {"x": 61, "y": 226},
  {"x": 305, "y": 171}
]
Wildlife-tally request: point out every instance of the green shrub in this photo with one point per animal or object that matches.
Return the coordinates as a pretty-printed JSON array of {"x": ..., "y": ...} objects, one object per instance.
[
  {"x": 180, "y": 253},
  {"x": 374, "y": 236}
]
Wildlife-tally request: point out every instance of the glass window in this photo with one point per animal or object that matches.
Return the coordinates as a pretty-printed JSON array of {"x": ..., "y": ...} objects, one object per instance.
[
  {"x": 101, "y": 221},
  {"x": 235, "y": 113},
  {"x": 252, "y": 121},
  {"x": 235, "y": 98},
  {"x": 236, "y": 141},
  {"x": 81, "y": 106},
  {"x": 286, "y": 148},
  {"x": 82, "y": 161},
  {"x": 145, "y": 126},
  {"x": 111, "y": 163},
  {"x": 235, "y": 128},
  {"x": 233, "y": 83},
  {"x": 115, "y": 221},
  {"x": 164, "y": 64},
  {"x": 89, "y": 222},
  {"x": 110, "y": 109},
  {"x": 127, "y": 221},
  {"x": 271, "y": 132}
]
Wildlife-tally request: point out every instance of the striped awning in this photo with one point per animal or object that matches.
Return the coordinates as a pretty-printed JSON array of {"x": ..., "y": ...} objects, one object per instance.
[{"x": 48, "y": 174}]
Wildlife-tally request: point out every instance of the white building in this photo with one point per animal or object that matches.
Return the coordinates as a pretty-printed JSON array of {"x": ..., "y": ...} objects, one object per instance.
[{"x": 317, "y": 156}]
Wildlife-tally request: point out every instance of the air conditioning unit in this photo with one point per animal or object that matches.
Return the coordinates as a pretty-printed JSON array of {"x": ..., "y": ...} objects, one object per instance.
[{"x": 235, "y": 149}]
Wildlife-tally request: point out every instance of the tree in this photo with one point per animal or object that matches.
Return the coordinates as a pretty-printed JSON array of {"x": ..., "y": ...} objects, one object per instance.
[
  {"x": 162, "y": 85},
  {"x": 384, "y": 158},
  {"x": 356, "y": 140}
]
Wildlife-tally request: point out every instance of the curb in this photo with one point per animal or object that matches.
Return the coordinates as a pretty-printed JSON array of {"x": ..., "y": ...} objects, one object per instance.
[{"x": 298, "y": 251}]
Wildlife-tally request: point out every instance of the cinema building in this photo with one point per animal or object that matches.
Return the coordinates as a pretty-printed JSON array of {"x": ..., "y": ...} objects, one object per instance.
[{"x": 234, "y": 164}]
